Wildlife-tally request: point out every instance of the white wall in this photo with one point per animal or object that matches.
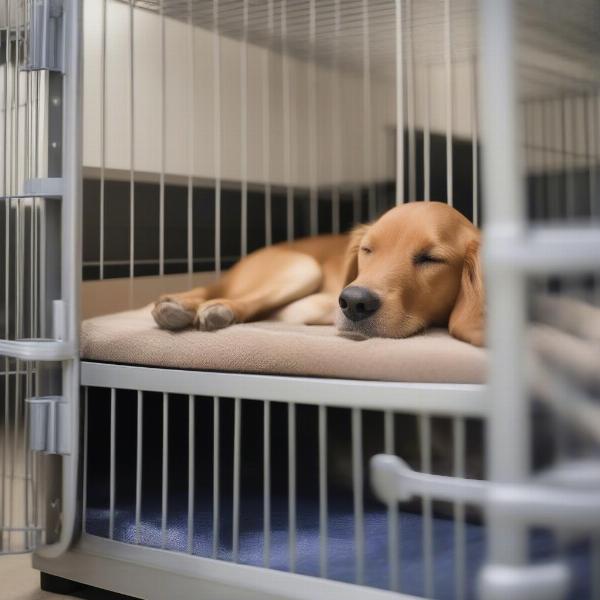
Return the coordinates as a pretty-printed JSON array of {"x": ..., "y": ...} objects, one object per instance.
[{"x": 189, "y": 106}]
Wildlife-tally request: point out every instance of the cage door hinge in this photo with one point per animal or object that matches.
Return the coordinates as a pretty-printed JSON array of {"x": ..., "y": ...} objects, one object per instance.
[
  {"x": 46, "y": 36},
  {"x": 50, "y": 424}
]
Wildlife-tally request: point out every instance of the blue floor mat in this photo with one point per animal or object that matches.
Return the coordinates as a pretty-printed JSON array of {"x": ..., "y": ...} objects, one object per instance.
[{"x": 341, "y": 559}]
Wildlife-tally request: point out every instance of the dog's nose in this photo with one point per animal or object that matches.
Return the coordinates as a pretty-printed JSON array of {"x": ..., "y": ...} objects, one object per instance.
[{"x": 358, "y": 303}]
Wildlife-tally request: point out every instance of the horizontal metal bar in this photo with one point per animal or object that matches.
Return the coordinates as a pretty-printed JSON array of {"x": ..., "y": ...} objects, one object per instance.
[
  {"x": 535, "y": 503},
  {"x": 430, "y": 398},
  {"x": 544, "y": 250},
  {"x": 38, "y": 349}
]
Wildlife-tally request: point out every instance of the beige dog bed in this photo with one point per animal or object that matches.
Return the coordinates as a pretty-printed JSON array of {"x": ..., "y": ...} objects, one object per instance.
[{"x": 276, "y": 348}]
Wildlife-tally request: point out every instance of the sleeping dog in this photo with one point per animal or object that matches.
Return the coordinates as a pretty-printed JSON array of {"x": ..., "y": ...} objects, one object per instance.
[{"x": 416, "y": 266}]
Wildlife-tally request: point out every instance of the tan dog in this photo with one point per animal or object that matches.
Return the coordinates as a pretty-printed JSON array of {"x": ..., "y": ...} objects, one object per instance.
[{"x": 416, "y": 266}]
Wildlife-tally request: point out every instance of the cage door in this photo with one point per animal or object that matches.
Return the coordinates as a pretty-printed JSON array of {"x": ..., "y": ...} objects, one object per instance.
[{"x": 39, "y": 257}]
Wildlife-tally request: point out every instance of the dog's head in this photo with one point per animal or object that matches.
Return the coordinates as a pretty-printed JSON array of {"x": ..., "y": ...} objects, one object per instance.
[{"x": 417, "y": 266}]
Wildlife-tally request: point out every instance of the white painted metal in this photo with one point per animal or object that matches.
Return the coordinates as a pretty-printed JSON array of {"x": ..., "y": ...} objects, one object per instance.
[{"x": 420, "y": 398}]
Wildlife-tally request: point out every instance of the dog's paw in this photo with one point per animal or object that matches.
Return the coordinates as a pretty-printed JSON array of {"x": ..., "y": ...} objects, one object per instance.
[
  {"x": 169, "y": 314},
  {"x": 214, "y": 316}
]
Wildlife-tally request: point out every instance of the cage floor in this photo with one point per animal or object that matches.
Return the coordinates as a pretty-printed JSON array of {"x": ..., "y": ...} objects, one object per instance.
[{"x": 341, "y": 559}]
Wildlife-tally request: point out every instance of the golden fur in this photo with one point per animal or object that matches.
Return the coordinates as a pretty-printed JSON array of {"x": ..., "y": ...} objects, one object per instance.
[{"x": 420, "y": 259}]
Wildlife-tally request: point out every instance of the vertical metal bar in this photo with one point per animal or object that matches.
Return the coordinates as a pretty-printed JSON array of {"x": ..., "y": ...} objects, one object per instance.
[
  {"x": 217, "y": 131},
  {"x": 410, "y": 105},
  {"x": 312, "y": 121},
  {"x": 138, "y": 465},
  {"x": 163, "y": 141},
  {"x": 102, "y": 132},
  {"x": 367, "y": 142},
  {"x": 449, "y": 103},
  {"x": 165, "y": 470},
  {"x": 392, "y": 511},
  {"x": 475, "y": 144},
  {"x": 244, "y": 128},
  {"x": 113, "y": 422},
  {"x": 399, "y": 106},
  {"x": 237, "y": 425},
  {"x": 336, "y": 116},
  {"x": 425, "y": 452},
  {"x": 506, "y": 323},
  {"x": 191, "y": 471},
  {"x": 287, "y": 150},
  {"x": 267, "y": 483},
  {"x": 132, "y": 144},
  {"x": 216, "y": 455},
  {"x": 191, "y": 138},
  {"x": 427, "y": 134},
  {"x": 292, "y": 484},
  {"x": 570, "y": 149},
  {"x": 458, "y": 434},
  {"x": 590, "y": 142},
  {"x": 85, "y": 461},
  {"x": 323, "y": 518},
  {"x": 357, "y": 485},
  {"x": 266, "y": 123}
]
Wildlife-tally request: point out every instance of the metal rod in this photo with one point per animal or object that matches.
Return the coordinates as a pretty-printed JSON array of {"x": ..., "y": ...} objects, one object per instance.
[
  {"x": 165, "y": 470},
  {"x": 475, "y": 144},
  {"x": 410, "y": 105},
  {"x": 113, "y": 421},
  {"x": 266, "y": 123},
  {"x": 216, "y": 455},
  {"x": 427, "y": 135},
  {"x": 312, "y": 121},
  {"x": 399, "y": 106},
  {"x": 102, "y": 132},
  {"x": 292, "y": 484},
  {"x": 132, "y": 143},
  {"x": 138, "y": 465},
  {"x": 163, "y": 140},
  {"x": 287, "y": 141},
  {"x": 267, "y": 483},
  {"x": 458, "y": 434},
  {"x": 357, "y": 485},
  {"x": 85, "y": 460},
  {"x": 449, "y": 103},
  {"x": 217, "y": 131},
  {"x": 191, "y": 137},
  {"x": 244, "y": 128},
  {"x": 191, "y": 471},
  {"x": 237, "y": 425},
  {"x": 392, "y": 511},
  {"x": 323, "y": 517},
  {"x": 425, "y": 452}
]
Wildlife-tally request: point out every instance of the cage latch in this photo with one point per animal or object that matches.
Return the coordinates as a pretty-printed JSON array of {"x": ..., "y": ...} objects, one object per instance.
[
  {"x": 46, "y": 36},
  {"x": 50, "y": 424}
]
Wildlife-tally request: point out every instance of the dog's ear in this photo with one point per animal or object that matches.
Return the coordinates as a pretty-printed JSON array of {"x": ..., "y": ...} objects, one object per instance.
[
  {"x": 467, "y": 319},
  {"x": 350, "y": 267}
]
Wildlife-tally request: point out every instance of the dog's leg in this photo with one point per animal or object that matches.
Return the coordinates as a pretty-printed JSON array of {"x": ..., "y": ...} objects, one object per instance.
[
  {"x": 267, "y": 281},
  {"x": 316, "y": 309}
]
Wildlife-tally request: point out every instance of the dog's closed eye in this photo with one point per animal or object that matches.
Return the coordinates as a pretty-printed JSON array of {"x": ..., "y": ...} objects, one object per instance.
[{"x": 425, "y": 257}]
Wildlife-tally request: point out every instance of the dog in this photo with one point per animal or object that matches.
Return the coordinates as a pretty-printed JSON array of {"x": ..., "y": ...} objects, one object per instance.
[{"x": 416, "y": 266}]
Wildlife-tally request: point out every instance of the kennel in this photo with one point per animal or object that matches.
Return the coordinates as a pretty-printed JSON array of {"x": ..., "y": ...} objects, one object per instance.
[{"x": 149, "y": 144}]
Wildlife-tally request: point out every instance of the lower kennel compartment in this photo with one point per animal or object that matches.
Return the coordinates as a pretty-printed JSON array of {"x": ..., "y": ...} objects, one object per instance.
[{"x": 285, "y": 486}]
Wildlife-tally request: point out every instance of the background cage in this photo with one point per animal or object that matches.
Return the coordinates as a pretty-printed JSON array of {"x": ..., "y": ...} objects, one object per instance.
[{"x": 213, "y": 128}]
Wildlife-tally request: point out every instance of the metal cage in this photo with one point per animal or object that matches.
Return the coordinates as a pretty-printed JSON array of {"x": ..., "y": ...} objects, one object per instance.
[{"x": 211, "y": 129}]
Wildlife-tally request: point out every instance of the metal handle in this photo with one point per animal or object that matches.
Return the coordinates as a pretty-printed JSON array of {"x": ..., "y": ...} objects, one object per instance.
[{"x": 543, "y": 502}]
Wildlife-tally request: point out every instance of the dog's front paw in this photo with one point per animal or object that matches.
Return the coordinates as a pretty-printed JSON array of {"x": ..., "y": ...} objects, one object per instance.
[
  {"x": 170, "y": 314},
  {"x": 213, "y": 316}
]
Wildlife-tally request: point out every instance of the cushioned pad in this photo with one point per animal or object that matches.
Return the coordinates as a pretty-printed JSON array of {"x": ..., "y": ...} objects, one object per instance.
[{"x": 277, "y": 348}]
